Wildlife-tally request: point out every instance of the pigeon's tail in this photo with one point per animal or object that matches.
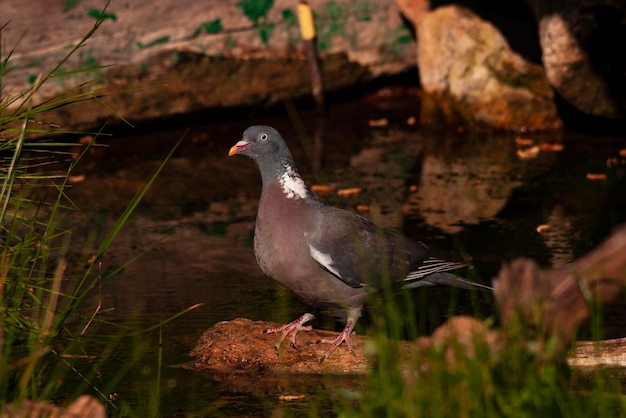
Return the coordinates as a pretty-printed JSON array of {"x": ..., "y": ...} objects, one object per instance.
[{"x": 447, "y": 279}]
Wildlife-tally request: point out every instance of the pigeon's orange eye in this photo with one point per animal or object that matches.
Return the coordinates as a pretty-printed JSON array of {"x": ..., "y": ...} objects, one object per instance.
[{"x": 263, "y": 137}]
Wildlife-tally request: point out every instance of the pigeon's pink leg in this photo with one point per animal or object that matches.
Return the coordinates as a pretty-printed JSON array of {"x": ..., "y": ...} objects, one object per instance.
[
  {"x": 291, "y": 329},
  {"x": 346, "y": 335}
]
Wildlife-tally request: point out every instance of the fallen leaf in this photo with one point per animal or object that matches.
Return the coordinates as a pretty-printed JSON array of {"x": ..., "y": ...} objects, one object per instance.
[
  {"x": 543, "y": 228},
  {"x": 352, "y": 191},
  {"x": 528, "y": 153},
  {"x": 622, "y": 152},
  {"x": 322, "y": 189},
  {"x": 290, "y": 397},
  {"x": 410, "y": 121},
  {"x": 551, "y": 147},
  {"x": 412, "y": 188},
  {"x": 596, "y": 176},
  {"x": 524, "y": 141},
  {"x": 377, "y": 123},
  {"x": 363, "y": 208},
  {"x": 76, "y": 179}
]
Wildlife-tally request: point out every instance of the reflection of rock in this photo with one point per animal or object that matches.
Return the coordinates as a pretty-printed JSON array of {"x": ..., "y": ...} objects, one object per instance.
[
  {"x": 471, "y": 76},
  {"x": 466, "y": 186},
  {"x": 382, "y": 170}
]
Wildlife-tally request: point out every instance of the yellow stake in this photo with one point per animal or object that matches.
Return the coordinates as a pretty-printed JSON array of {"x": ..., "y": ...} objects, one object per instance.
[{"x": 305, "y": 18}]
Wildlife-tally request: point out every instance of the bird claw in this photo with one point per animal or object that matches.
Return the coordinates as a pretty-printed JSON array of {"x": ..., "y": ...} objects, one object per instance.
[
  {"x": 291, "y": 329},
  {"x": 346, "y": 335}
]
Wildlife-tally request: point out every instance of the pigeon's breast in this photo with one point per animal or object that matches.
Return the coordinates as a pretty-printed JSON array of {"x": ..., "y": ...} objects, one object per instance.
[
  {"x": 279, "y": 243},
  {"x": 283, "y": 252}
]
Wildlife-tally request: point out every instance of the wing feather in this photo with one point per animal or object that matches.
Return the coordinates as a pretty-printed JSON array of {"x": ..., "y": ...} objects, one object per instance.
[{"x": 361, "y": 254}]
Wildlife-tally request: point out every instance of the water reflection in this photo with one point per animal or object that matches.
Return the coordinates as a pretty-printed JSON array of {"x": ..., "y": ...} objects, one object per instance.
[{"x": 465, "y": 180}]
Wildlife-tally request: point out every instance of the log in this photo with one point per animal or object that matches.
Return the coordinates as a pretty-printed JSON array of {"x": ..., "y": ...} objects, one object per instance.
[
  {"x": 606, "y": 353},
  {"x": 241, "y": 345}
]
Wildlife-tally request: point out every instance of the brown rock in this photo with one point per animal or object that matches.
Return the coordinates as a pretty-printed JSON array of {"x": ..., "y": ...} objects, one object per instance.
[
  {"x": 463, "y": 331},
  {"x": 461, "y": 338},
  {"x": 580, "y": 41},
  {"x": 471, "y": 77}
]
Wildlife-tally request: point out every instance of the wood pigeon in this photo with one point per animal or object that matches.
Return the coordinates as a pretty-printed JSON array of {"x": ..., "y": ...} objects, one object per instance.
[{"x": 327, "y": 256}]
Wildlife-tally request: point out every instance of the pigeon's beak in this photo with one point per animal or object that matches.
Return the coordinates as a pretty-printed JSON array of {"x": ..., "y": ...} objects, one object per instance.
[{"x": 238, "y": 147}]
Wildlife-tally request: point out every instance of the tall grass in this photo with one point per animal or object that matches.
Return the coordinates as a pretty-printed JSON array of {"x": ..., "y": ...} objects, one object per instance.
[{"x": 40, "y": 293}]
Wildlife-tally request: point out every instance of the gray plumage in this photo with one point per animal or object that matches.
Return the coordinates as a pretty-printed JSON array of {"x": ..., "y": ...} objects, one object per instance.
[{"x": 328, "y": 256}]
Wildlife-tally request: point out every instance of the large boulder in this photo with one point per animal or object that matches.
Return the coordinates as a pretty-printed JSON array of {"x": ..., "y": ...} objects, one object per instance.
[
  {"x": 582, "y": 43},
  {"x": 471, "y": 77}
]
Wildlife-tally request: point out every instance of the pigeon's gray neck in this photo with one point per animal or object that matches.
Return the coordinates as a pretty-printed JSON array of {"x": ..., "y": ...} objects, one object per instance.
[{"x": 284, "y": 172}]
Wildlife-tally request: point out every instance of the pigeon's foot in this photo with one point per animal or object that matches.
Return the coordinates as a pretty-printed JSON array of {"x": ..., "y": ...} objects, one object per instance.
[
  {"x": 346, "y": 335},
  {"x": 291, "y": 329}
]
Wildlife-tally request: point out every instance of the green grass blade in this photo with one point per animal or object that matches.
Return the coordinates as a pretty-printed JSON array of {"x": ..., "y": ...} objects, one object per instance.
[{"x": 7, "y": 185}]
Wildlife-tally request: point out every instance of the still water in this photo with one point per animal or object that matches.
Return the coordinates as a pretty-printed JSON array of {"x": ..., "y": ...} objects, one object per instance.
[{"x": 496, "y": 197}]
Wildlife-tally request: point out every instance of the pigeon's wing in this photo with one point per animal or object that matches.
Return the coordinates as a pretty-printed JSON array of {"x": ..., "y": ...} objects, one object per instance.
[{"x": 354, "y": 249}]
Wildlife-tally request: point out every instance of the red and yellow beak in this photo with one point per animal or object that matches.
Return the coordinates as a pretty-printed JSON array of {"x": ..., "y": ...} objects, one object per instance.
[{"x": 238, "y": 147}]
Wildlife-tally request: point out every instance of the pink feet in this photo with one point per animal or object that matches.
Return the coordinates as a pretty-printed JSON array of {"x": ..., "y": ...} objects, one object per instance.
[
  {"x": 346, "y": 335},
  {"x": 291, "y": 329}
]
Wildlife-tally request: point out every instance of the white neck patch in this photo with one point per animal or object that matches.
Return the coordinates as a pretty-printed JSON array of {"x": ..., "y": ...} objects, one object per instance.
[{"x": 292, "y": 184}]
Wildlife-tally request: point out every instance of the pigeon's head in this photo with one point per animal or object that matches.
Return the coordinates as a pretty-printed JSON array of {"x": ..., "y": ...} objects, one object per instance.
[
  {"x": 268, "y": 149},
  {"x": 261, "y": 143}
]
